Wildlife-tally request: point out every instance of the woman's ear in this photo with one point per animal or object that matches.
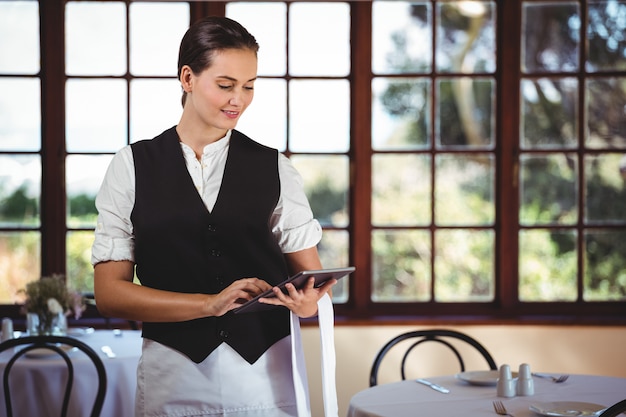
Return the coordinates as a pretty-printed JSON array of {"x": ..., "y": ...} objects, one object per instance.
[{"x": 186, "y": 77}]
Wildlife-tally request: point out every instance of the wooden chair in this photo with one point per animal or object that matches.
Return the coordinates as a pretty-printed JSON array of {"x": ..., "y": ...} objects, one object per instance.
[
  {"x": 441, "y": 336},
  {"x": 614, "y": 410},
  {"x": 55, "y": 344}
]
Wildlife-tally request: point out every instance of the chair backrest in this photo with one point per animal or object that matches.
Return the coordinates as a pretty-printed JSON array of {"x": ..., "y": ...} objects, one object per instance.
[
  {"x": 614, "y": 410},
  {"x": 432, "y": 335},
  {"x": 55, "y": 344}
]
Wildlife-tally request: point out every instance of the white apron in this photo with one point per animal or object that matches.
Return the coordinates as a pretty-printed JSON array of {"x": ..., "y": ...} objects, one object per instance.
[{"x": 224, "y": 384}]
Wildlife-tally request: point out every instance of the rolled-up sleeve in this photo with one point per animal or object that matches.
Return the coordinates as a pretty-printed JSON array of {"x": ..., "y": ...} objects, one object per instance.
[
  {"x": 293, "y": 224},
  {"x": 114, "y": 239}
]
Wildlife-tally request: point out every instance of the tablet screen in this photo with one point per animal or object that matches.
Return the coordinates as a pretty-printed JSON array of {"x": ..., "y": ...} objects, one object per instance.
[{"x": 298, "y": 280}]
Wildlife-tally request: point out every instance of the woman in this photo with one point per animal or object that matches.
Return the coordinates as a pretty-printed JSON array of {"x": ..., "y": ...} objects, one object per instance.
[{"x": 210, "y": 219}]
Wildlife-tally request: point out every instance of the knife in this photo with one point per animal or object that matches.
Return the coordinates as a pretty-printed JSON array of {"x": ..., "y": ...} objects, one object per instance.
[{"x": 436, "y": 387}]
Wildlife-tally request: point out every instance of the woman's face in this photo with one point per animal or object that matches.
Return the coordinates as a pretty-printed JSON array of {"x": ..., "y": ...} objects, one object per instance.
[{"x": 218, "y": 96}]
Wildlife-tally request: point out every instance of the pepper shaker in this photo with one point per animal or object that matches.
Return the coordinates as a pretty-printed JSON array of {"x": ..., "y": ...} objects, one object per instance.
[
  {"x": 506, "y": 383},
  {"x": 525, "y": 383}
]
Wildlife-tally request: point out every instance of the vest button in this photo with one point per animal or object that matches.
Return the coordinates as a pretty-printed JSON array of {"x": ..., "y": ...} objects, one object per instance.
[
  {"x": 216, "y": 253},
  {"x": 224, "y": 334},
  {"x": 211, "y": 228}
]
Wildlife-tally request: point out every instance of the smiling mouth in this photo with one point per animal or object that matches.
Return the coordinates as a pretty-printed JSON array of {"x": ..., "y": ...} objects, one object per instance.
[{"x": 231, "y": 113}]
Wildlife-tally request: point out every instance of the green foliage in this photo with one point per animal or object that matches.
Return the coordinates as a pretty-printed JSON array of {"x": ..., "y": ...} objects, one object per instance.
[
  {"x": 326, "y": 200},
  {"x": 19, "y": 207}
]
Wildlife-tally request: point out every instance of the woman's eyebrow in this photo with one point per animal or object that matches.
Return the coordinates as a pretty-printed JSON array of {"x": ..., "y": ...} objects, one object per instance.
[{"x": 226, "y": 77}]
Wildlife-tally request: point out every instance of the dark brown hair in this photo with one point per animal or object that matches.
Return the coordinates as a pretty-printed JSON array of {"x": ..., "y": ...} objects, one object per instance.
[{"x": 208, "y": 36}]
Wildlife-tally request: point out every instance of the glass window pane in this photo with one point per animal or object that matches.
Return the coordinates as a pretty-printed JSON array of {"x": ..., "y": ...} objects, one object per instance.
[
  {"x": 401, "y": 113},
  {"x": 464, "y": 265},
  {"x": 466, "y": 38},
  {"x": 20, "y": 114},
  {"x": 401, "y": 187},
  {"x": 605, "y": 186},
  {"x": 266, "y": 21},
  {"x": 401, "y": 265},
  {"x": 95, "y": 38},
  {"x": 605, "y": 265},
  {"x": 550, "y": 113},
  {"x": 86, "y": 130},
  {"x": 401, "y": 37},
  {"x": 464, "y": 190},
  {"x": 548, "y": 189},
  {"x": 79, "y": 269},
  {"x": 547, "y": 265},
  {"x": 308, "y": 105},
  {"x": 550, "y": 36},
  {"x": 606, "y": 112},
  {"x": 466, "y": 113},
  {"x": 19, "y": 22},
  {"x": 319, "y": 49},
  {"x": 265, "y": 120},
  {"x": 333, "y": 251},
  {"x": 84, "y": 175},
  {"x": 20, "y": 190},
  {"x": 606, "y": 43},
  {"x": 20, "y": 263},
  {"x": 154, "y": 107},
  {"x": 326, "y": 181},
  {"x": 153, "y": 45}
]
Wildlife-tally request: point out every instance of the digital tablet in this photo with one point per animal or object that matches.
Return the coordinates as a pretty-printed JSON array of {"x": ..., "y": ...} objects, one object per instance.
[{"x": 298, "y": 280}]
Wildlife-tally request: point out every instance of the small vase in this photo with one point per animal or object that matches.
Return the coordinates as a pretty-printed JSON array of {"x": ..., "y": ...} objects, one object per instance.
[{"x": 42, "y": 325}]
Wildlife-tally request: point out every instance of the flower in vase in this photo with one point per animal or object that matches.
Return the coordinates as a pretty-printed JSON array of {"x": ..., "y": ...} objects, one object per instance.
[
  {"x": 48, "y": 298},
  {"x": 54, "y": 306}
]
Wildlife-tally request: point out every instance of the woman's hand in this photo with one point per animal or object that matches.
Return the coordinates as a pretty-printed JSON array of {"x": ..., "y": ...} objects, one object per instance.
[
  {"x": 235, "y": 295},
  {"x": 301, "y": 302}
]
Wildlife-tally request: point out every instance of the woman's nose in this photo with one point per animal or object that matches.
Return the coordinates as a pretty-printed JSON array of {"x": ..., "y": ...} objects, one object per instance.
[{"x": 235, "y": 98}]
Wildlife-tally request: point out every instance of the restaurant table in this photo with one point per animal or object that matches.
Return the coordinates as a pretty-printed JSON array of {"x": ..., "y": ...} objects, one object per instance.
[
  {"x": 37, "y": 381},
  {"x": 408, "y": 398}
]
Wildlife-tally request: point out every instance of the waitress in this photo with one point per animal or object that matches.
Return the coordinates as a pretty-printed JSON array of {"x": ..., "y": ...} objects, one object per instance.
[{"x": 208, "y": 219}]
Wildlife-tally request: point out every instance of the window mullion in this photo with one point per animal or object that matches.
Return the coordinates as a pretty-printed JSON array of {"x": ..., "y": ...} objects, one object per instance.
[
  {"x": 507, "y": 194},
  {"x": 53, "y": 205},
  {"x": 361, "y": 154}
]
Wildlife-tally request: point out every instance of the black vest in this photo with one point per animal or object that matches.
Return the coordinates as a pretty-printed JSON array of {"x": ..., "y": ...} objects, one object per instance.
[{"x": 181, "y": 246}]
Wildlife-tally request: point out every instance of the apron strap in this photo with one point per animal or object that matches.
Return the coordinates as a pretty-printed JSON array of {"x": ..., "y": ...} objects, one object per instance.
[{"x": 329, "y": 391}]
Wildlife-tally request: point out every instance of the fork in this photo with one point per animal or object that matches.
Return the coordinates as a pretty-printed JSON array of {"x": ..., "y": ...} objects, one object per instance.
[
  {"x": 556, "y": 379},
  {"x": 500, "y": 409}
]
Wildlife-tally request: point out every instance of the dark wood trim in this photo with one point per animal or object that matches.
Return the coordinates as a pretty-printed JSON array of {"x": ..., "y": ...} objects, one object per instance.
[
  {"x": 507, "y": 116},
  {"x": 53, "y": 200},
  {"x": 361, "y": 154},
  {"x": 200, "y": 9}
]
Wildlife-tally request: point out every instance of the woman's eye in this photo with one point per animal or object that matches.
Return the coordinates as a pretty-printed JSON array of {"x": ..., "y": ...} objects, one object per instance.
[
  {"x": 249, "y": 88},
  {"x": 224, "y": 87}
]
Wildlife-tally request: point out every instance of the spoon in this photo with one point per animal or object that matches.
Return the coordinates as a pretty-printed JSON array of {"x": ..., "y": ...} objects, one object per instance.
[{"x": 108, "y": 351}]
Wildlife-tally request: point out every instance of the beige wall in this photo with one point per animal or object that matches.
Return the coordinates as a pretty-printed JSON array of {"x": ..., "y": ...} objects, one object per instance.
[{"x": 567, "y": 349}]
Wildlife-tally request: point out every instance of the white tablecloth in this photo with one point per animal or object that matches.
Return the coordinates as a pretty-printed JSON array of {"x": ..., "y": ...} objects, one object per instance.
[
  {"x": 408, "y": 398},
  {"x": 39, "y": 381}
]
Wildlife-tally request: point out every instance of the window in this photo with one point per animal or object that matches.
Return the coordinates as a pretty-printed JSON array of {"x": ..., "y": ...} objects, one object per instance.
[
  {"x": 302, "y": 106},
  {"x": 20, "y": 146},
  {"x": 468, "y": 157},
  {"x": 121, "y": 87},
  {"x": 572, "y": 152}
]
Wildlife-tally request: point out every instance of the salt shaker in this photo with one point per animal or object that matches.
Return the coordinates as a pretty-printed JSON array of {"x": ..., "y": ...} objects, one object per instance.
[
  {"x": 7, "y": 329},
  {"x": 525, "y": 383},
  {"x": 506, "y": 383}
]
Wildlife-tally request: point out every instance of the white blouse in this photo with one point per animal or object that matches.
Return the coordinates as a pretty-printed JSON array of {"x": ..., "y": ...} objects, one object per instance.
[{"x": 292, "y": 223}]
